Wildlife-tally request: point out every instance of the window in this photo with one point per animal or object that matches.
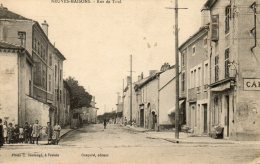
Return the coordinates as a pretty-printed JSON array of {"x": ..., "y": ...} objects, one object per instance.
[
  {"x": 227, "y": 63},
  {"x": 195, "y": 78},
  {"x": 199, "y": 77},
  {"x": 206, "y": 74},
  {"x": 193, "y": 50},
  {"x": 205, "y": 42},
  {"x": 50, "y": 83},
  {"x": 60, "y": 75},
  {"x": 215, "y": 28},
  {"x": 30, "y": 87},
  {"x": 55, "y": 73},
  {"x": 22, "y": 38},
  {"x": 191, "y": 79},
  {"x": 183, "y": 81},
  {"x": 216, "y": 68},
  {"x": 227, "y": 18},
  {"x": 50, "y": 59},
  {"x": 183, "y": 58},
  {"x": 60, "y": 96}
]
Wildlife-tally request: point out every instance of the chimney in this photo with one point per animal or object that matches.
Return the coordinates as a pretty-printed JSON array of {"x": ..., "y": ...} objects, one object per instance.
[
  {"x": 152, "y": 72},
  {"x": 2, "y": 7},
  {"x": 205, "y": 16},
  {"x": 45, "y": 27},
  {"x": 128, "y": 80},
  {"x": 139, "y": 77}
]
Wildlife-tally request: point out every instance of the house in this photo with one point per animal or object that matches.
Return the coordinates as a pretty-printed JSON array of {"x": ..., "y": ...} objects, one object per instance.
[
  {"x": 195, "y": 80},
  {"x": 235, "y": 69},
  {"x": 147, "y": 98},
  {"x": 47, "y": 82},
  {"x": 16, "y": 82},
  {"x": 167, "y": 98}
]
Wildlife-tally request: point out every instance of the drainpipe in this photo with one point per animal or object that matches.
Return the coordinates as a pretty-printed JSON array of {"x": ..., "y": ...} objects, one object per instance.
[{"x": 158, "y": 115}]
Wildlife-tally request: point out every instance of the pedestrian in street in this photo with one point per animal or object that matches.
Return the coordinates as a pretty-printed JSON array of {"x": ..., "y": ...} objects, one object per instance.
[
  {"x": 36, "y": 131},
  {"x": 56, "y": 133},
  {"x": 5, "y": 131},
  {"x": 125, "y": 121},
  {"x": 1, "y": 134},
  {"x": 49, "y": 132},
  {"x": 105, "y": 123},
  {"x": 16, "y": 133},
  {"x": 30, "y": 133},
  {"x": 26, "y": 132},
  {"x": 10, "y": 133}
]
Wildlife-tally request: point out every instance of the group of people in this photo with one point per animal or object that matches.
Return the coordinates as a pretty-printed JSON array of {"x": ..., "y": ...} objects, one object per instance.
[{"x": 29, "y": 133}]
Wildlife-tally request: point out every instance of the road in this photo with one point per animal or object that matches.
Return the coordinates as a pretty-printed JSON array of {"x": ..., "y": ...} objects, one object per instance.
[{"x": 117, "y": 144}]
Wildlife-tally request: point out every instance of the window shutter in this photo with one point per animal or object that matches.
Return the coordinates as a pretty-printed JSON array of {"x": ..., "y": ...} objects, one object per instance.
[{"x": 215, "y": 28}]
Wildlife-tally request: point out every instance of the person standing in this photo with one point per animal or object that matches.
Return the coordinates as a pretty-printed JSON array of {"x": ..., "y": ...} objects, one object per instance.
[
  {"x": 49, "y": 132},
  {"x": 5, "y": 131},
  {"x": 125, "y": 121},
  {"x": 56, "y": 135},
  {"x": 105, "y": 123},
  {"x": 1, "y": 134},
  {"x": 10, "y": 133},
  {"x": 30, "y": 133},
  {"x": 16, "y": 133},
  {"x": 21, "y": 135},
  {"x": 26, "y": 132},
  {"x": 36, "y": 131}
]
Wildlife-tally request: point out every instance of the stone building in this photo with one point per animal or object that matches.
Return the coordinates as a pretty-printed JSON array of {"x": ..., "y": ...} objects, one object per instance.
[
  {"x": 15, "y": 81},
  {"x": 194, "y": 79},
  {"x": 45, "y": 102}
]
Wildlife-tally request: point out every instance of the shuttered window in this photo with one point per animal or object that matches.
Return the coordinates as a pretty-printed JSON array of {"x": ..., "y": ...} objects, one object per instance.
[{"x": 215, "y": 27}]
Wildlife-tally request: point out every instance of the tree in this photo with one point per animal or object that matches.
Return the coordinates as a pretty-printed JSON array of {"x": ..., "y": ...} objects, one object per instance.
[{"x": 79, "y": 96}]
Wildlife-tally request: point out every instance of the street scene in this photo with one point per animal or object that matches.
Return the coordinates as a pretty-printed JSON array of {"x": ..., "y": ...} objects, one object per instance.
[{"x": 128, "y": 81}]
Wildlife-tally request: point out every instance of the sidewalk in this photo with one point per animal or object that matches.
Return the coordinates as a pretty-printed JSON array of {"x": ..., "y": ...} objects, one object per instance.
[
  {"x": 63, "y": 132},
  {"x": 186, "y": 138}
]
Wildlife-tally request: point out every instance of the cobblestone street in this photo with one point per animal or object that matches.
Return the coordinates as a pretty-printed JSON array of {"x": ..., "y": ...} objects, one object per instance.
[{"x": 93, "y": 144}]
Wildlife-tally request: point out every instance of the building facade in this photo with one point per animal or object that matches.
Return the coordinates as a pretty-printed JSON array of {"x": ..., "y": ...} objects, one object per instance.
[{"x": 45, "y": 102}]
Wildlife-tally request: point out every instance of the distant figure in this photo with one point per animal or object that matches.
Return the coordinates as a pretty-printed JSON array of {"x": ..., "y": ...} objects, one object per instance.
[
  {"x": 1, "y": 134},
  {"x": 16, "y": 133},
  {"x": 21, "y": 135},
  {"x": 10, "y": 133},
  {"x": 105, "y": 123},
  {"x": 56, "y": 134},
  {"x": 30, "y": 133},
  {"x": 5, "y": 131},
  {"x": 49, "y": 132},
  {"x": 125, "y": 121}
]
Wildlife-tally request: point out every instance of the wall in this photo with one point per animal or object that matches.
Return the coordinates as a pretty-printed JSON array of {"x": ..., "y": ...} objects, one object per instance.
[
  {"x": 247, "y": 113},
  {"x": 167, "y": 97},
  {"x": 36, "y": 110},
  {"x": 9, "y": 87}
]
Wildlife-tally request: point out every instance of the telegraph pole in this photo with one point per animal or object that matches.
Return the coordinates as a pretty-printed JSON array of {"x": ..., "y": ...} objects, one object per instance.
[
  {"x": 131, "y": 98},
  {"x": 176, "y": 69}
]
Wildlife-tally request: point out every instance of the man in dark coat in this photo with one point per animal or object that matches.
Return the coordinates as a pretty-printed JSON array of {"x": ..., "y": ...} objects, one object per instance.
[
  {"x": 1, "y": 134},
  {"x": 26, "y": 132},
  {"x": 105, "y": 123}
]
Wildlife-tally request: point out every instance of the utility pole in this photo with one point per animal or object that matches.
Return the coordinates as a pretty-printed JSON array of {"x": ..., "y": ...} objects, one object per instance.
[
  {"x": 131, "y": 98},
  {"x": 176, "y": 69}
]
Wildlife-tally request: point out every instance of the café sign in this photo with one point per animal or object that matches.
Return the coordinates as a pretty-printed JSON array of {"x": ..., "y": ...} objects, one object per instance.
[{"x": 252, "y": 84}]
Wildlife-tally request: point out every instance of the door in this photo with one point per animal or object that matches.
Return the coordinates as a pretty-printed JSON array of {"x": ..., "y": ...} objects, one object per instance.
[
  {"x": 205, "y": 127},
  {"x": 142, "y": 117},
  {"x": 227, "y": 115}
]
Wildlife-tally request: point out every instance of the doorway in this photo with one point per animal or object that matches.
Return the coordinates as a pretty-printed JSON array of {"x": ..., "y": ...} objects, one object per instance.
[
  {"x": 227, "y": 115},
  {"x": 142, "y": 117},
  {"x": 205, "y": 120}
]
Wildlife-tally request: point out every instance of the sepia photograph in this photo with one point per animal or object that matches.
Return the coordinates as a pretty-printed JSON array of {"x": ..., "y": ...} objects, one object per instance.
[{"x": 130, "y": 81}]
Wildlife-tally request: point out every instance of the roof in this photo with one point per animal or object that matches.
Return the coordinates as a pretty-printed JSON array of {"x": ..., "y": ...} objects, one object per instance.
[
  {"x": 60, "y": 54},
  {"x": 143, "y": 82},
  {"x": 201, "y": 29},
  {"x": 209, "y": 4},
  {"x": 6, "y": 45},
  {"x": 6, "y": 14}
]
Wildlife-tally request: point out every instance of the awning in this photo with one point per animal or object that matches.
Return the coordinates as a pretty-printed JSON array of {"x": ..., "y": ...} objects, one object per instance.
[
  {"x": 172, "y": 109},
  {"x": 221, "y": 87}
]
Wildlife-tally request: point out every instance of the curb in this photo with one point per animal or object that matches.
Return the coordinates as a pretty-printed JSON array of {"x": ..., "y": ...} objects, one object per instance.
[
  {"x": 63, "y": 135},
  {"x": 190, "y": 142}
]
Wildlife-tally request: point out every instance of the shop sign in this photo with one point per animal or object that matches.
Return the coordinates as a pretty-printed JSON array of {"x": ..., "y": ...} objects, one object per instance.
[{"x": 252, "y": 84}]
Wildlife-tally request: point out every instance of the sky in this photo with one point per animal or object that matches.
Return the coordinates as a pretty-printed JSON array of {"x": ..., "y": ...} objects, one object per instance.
[{"x": 98, "y": 39}]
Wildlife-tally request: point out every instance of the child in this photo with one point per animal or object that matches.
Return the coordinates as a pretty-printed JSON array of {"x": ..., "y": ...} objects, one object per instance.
[
  {"x": 10, "y": 133},
  {"x": 16, "y": 134},
  {"x": 21, "y": 135}
]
